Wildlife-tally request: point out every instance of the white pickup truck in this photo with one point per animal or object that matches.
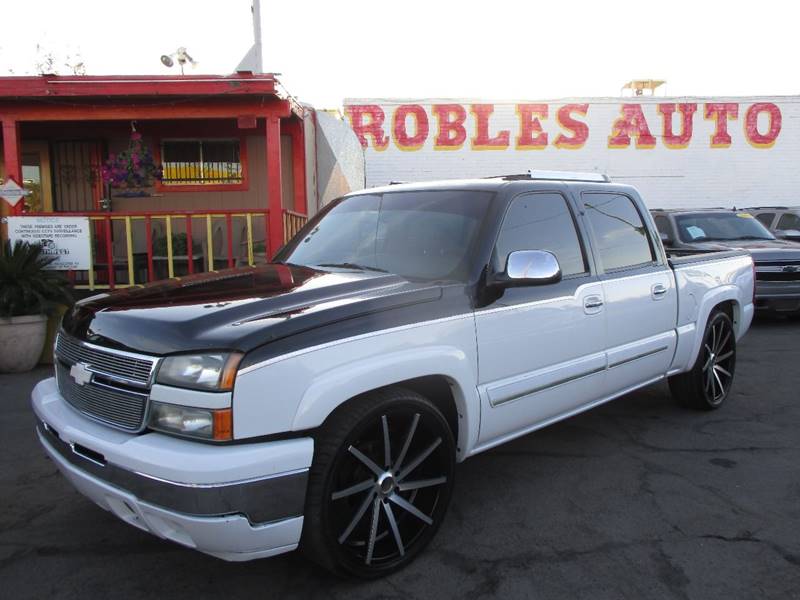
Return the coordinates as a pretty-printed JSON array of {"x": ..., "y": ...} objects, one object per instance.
[{"x": 323, "y": 400}]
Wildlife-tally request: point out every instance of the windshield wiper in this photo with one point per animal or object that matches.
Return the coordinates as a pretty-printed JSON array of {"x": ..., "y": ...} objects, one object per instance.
[
  {"x": 752, "y": 237},
  {"x": 349, "y": 265}
]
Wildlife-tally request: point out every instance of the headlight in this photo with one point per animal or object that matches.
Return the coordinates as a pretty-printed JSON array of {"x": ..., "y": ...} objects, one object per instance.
[
  {"x": 192, "y": 422},
  {"x": 210, "y": 372}
]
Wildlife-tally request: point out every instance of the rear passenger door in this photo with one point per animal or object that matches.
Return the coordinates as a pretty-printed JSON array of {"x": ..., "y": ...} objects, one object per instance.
[
  {"x": 641, "y": 304},
  {"x": 540, "y": 348}
]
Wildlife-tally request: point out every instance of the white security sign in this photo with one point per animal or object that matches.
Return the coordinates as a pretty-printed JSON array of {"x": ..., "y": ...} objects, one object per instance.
[
  {"x": 11, "y": 192},
  {"x": 66, "y": 238}
]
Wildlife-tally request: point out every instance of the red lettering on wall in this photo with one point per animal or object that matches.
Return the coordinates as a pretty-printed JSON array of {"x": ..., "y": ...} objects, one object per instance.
[
  {"x": 756, "y": 139},
  {"x": 721, "y": 112},
  {"x": 578, "y": 129},
  {"x": 402, "y": 139},
  {"x": 531, "y": 135},
  {"x": 372, "y": 126},
  {"x": 451, "y": 133},
  {"x": 483, "y": 140},
  {"x": 670, "y": 138},
  {"x": 632, "y": 124}
]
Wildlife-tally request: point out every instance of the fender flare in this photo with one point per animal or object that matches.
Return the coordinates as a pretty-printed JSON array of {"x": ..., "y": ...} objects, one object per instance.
[
  {"x": 728, "y": 293},
  {"x": 335, "y": 387}
]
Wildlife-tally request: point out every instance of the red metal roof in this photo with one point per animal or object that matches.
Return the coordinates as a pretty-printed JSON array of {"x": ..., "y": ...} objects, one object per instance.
[{"x": 238, "y": 84}]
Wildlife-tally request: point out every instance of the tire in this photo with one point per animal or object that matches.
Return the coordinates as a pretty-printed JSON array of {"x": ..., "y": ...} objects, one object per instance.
[
  {"x": 369, "y": 511},
  {"x": 707, "y": 385}
]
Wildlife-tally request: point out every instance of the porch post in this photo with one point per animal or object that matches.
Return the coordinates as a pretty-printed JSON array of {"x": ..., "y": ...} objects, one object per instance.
[
  {"x": 298, "y": 166},
  {"x": 274, "y": 184},
  {"x": 12, "y": 161}
]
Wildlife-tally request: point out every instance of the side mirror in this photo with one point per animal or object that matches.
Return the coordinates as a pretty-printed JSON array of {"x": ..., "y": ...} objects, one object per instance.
[
  {"x": 529, "y": 267},
  {"x": 665, "y": 239},
  {"x": 788, "y": 234}
]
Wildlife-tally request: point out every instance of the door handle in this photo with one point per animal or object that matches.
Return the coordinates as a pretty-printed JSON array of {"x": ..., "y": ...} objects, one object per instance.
[
  {"x": 592, "y": 304},
  {"x": 658, "y": 290}
]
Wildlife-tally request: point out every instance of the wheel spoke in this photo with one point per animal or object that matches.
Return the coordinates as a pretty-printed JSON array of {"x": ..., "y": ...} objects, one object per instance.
[
  {"x": 365, "y": 460},
  {"x": 405, "y": 504},
  {"x": 722, "y": 343},
  {"x": 393, "y": 524},
  {"x": 724, "y": 357},
  {"x": 407, "y": 443},
  {"x": 415, "y": 463},
  {"x": 420, "y": 483},
  {"x": 721, "y": 370},
  {"x": 710, "y": 382},
  {"x": 714, "y": 337},
  {"x": 387, "y": 449},
  {"x": 353, "y": 489},
  {"x": 719, "y": 381},
  {"x": 359, "y": 513},
  {"x": 373, "y": 531}
]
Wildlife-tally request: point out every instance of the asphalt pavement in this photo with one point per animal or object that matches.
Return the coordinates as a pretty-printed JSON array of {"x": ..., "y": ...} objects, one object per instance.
[{"x": 636, "y": 499}]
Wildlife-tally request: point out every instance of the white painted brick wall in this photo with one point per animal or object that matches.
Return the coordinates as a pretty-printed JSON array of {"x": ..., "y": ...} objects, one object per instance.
[{"x": 696, "y": 176}]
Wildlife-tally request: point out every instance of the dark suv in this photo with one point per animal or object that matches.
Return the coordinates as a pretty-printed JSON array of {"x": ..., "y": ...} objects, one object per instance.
[{"x": 777, "y": 262}]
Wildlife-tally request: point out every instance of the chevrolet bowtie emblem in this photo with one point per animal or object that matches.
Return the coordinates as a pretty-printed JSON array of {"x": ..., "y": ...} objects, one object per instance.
[
  {"x": 790, "y": 269},
  {"x": 80, "y": 373}
]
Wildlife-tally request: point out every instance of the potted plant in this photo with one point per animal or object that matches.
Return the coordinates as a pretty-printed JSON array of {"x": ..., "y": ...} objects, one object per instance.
[
  {"x": 131, "y": 171},
  {"x": 28, "y": 293}
]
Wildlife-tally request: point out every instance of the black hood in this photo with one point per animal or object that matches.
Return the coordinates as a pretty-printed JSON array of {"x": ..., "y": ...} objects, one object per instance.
[{"x": 244, "y": 309}]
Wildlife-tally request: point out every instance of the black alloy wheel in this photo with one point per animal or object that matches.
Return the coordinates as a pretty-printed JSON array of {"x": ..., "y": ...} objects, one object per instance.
[
  {"x": 709, "y": 382},
  {"x": 380, "y": 483}
]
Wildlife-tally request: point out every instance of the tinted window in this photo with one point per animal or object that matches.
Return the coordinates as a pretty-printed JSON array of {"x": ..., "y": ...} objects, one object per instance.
[
  {"x": 789, "y": 221},
  {"x": 621, "y": 235},
  {"x": 720, "y": 226},
  {"x": 425, "y": 234},
  {"x": 541, "y": 222},
  {"x": 766, "y": 218}
]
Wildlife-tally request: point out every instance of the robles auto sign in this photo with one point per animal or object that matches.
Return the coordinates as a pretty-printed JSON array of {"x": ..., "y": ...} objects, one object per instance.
[
  {"x": 715, "y": 146},
  {"x": 410, "y": 125}
]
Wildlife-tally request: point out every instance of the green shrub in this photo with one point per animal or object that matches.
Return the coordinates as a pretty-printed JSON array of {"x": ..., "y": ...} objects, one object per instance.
[{"x": 26, "y": 286}]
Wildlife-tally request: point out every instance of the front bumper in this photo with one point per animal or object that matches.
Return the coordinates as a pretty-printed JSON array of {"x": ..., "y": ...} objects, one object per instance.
[
  {"x": 236, "y": 502},
  {"x": 778, "y": 296}
]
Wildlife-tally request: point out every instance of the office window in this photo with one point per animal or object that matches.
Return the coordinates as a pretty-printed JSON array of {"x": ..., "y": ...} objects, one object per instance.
[{"x": 201, "y": 162}]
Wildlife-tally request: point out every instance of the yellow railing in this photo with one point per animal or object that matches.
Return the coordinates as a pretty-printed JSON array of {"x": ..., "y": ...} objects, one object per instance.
[
  {"x": 292, "y": 223},
  {"x": 133, "y": 248}
]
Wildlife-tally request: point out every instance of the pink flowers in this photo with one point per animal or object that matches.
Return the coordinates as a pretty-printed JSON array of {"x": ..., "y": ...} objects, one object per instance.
[{"x": 133, "y": 167}]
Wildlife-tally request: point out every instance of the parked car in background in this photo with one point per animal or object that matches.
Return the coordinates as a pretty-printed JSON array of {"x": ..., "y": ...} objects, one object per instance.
[
  {"x": 777, "y": 261},
  {"x": 782, "y": 221},
  {"x": 324, "y": 399}
]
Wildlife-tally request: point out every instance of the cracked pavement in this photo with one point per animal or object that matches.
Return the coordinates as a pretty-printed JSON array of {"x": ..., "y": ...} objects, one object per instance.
[{"x": 635, "y": 499}]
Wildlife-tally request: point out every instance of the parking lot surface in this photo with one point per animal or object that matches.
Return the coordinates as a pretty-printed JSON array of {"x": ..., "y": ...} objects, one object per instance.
[{"x": 636, "y": 499}]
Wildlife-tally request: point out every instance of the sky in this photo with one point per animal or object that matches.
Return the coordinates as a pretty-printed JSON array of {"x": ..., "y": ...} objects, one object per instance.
[{"x": 499, "y": 50}]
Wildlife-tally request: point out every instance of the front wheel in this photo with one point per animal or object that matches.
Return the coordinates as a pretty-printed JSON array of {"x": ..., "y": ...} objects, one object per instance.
[
  {"x": 379, "y": 485},
  {"x": 708, "y": 383}
]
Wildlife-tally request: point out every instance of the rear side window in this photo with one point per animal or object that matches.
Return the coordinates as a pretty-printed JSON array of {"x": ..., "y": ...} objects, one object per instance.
[
  {"x": 622, "y": 239},
  {"x": 765, "y": 218},
  {"x": 789, "y": 221},
  {"x": 541, "y": 222}
]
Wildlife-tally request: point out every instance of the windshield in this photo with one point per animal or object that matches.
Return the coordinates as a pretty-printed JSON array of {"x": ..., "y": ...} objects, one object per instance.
[
  {"x": 720, "y": 226},
  {"x": 420, "y": 235}
]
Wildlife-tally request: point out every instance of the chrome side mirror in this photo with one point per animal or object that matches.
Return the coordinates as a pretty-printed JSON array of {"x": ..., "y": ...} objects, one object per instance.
[{"x": 530, "y": 267}]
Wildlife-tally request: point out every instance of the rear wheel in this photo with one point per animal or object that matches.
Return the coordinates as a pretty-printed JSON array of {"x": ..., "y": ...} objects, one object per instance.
[
  {"x": 708, "y": 383},
  {"x": 379, "y": 485}
]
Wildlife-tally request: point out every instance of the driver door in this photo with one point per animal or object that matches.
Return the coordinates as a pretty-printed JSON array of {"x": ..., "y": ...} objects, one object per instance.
[{"x": 541, "y": 349}]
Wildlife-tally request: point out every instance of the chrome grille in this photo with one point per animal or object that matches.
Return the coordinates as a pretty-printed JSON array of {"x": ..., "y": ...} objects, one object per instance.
[
  {"x": 129, "y": 367},
  {"x": 117, "y": 391},
  {"x": 120, "y": 408},
  {"x": 778, "y": 270}
]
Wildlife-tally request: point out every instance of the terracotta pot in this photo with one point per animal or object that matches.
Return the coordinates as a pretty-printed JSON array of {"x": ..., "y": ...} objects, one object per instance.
[{"x": 21, "y": 342}]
